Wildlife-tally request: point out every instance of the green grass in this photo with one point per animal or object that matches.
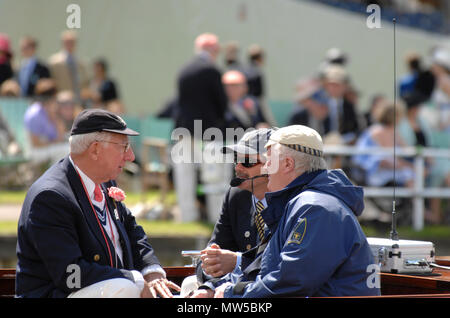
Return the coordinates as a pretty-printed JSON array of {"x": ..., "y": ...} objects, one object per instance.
[
  {"x": 12, "y": 197},
  {"x": 8, "y": 228},
  {"x": 17, "y": 197},
  {"x": 152, "y": 228},
  {"x": 170, "y": 228}
]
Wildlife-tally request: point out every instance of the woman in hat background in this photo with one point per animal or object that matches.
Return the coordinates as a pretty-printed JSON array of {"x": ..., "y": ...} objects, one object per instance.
[{"x": 6, "y": 55}]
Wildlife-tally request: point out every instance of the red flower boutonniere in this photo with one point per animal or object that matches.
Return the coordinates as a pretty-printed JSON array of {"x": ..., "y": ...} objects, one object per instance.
[{"x": 116, "y": 194}]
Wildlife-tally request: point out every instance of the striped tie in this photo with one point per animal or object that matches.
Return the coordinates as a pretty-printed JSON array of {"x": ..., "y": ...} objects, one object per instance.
[{"x": 259, "y": 220}]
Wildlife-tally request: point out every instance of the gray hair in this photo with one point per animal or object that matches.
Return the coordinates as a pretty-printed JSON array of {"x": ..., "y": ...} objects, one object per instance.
[
  {"x": 80, "y": 143},
  {"x": 303, "y": 161}
]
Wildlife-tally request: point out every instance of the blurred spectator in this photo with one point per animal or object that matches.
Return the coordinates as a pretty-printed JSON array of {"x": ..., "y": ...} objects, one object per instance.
[
  {"x": 201, "y": 97},
  {"x": 8, "y": 146},
  {"x": 169, "y": 109},
  {"x": 200, "y": 91},
  {"x": 441, "y": 95},
  {"x": 333, "y": 56},
  {"x": 254, "y": 72},
  {"x": 31, "y": 69},
  {"x": 46, "y": 129},
  {"x": 370, "y": 115},
  {"x": 103, "y": 88},
  {"x": 10, "y": 88},
  {"x": 311, "y": 109},
  {"x": 328, "y": 101},
  {"x": 231, "y": 56},
  {"x": 67, "y": 108},
  {"x": 378, "y": 169},
  {"x": 416, "y": 131},
  {"x": 418, "y": 79},
  {"x": 115, "y": 106},
  {"x": 255, "y": 79},
  {"x": 243, "y": 110},
  {"x": 343, "y": 117},
  {"x": 66, "y": 68},
  {"x": 408, "y": 81},
  {"x": 6, "y": 71}
]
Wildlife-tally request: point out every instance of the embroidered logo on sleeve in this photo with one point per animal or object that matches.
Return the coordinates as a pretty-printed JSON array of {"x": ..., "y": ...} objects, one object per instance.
[{"x": 298, "y": 233}]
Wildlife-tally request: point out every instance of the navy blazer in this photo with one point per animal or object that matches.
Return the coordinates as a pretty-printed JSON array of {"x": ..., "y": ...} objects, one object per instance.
[
  {"x": 235, "y": 230},
  {"x": 57, "y": 228},
  {"x": 201, "y": 96}
]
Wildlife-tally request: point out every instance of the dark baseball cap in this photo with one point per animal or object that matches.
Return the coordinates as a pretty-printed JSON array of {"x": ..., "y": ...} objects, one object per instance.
[
  {"x": 252, "y": 143},
  {"x": 95, "y": 119}
]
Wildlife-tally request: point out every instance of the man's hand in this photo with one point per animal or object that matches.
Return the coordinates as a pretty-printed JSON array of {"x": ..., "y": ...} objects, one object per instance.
[
  {"x": 202, "y": 293},
  {"x": 218, "y": 262},
  {"x": 220, "y": 290},
  {"x": 156, "y": 285}
]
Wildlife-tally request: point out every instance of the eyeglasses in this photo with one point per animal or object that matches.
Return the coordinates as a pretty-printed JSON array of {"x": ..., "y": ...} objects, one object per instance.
[
  {"x": 126, "y": 146},
  {"x": 246, "y": 162}
]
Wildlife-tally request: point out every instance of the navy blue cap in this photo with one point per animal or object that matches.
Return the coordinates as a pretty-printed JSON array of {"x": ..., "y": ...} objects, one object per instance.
[{"x": 96, "y": 120}]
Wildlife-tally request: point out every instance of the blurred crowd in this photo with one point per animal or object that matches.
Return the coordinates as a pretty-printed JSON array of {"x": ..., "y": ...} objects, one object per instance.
[
  {"x": 57, "y": 89},
  {"x": 329, "y": 102},
  {"x": 232, "y": 95}
]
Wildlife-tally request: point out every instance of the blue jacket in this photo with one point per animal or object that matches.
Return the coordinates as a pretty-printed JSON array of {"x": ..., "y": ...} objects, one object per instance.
[{"x": 317, "y": 247}]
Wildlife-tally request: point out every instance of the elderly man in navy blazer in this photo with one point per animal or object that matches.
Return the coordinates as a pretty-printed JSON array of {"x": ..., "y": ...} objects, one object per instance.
[{"x": 75, "y": 237}]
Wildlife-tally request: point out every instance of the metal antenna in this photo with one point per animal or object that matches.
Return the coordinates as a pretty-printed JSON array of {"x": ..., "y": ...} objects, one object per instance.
[{"x": 394, "y": 234}]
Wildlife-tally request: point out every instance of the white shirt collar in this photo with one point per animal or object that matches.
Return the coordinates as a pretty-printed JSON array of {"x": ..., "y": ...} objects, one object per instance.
[
  {"x": 88, "y": 183},
  {"x": 263, "y": 200}
]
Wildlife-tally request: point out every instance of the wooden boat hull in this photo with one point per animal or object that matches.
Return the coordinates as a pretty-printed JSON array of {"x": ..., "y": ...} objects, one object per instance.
[{"x": 392, "y": 285}]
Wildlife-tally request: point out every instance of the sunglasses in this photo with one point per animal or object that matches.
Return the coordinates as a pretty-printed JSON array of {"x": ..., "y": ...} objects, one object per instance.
[{"x": 246, "y": 162}]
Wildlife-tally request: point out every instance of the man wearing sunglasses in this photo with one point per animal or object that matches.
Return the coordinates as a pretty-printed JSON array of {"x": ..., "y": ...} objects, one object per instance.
[
  {"x": 315, "y": 245},
  {"x": 236, "y": 230}
]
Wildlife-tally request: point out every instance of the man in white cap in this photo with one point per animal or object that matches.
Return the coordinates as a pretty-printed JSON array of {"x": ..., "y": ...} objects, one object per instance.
[
  {"x": 314, "y": 245},
  {"x": 237, "y": 229}
]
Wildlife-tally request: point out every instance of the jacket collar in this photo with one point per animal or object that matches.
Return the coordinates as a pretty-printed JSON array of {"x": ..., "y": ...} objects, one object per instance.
[
  {"x": 277, "y": 200},
  {"x": 86, "y": 208}
]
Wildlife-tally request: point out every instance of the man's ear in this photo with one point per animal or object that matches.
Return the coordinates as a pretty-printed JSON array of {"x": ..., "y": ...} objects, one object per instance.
[
  {"x": 289, "y": 164},
  {"x": 93, "y": 150}
]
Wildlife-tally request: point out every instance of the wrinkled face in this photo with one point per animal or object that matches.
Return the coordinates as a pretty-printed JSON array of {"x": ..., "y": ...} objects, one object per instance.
[
  {"x": 112, "y": 156},
  {"x": 274, "y": 168},
  {"x": 248, "y": 167}
]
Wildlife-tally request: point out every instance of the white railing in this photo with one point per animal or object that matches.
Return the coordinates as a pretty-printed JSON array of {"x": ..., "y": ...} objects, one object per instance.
[{"x": 418, "y": 193}]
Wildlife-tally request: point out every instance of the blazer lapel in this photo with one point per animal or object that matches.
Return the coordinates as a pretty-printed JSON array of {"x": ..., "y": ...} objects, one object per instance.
[
  {"x": 84, "y": 203},
  {"x": 116, "y": 216}
]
